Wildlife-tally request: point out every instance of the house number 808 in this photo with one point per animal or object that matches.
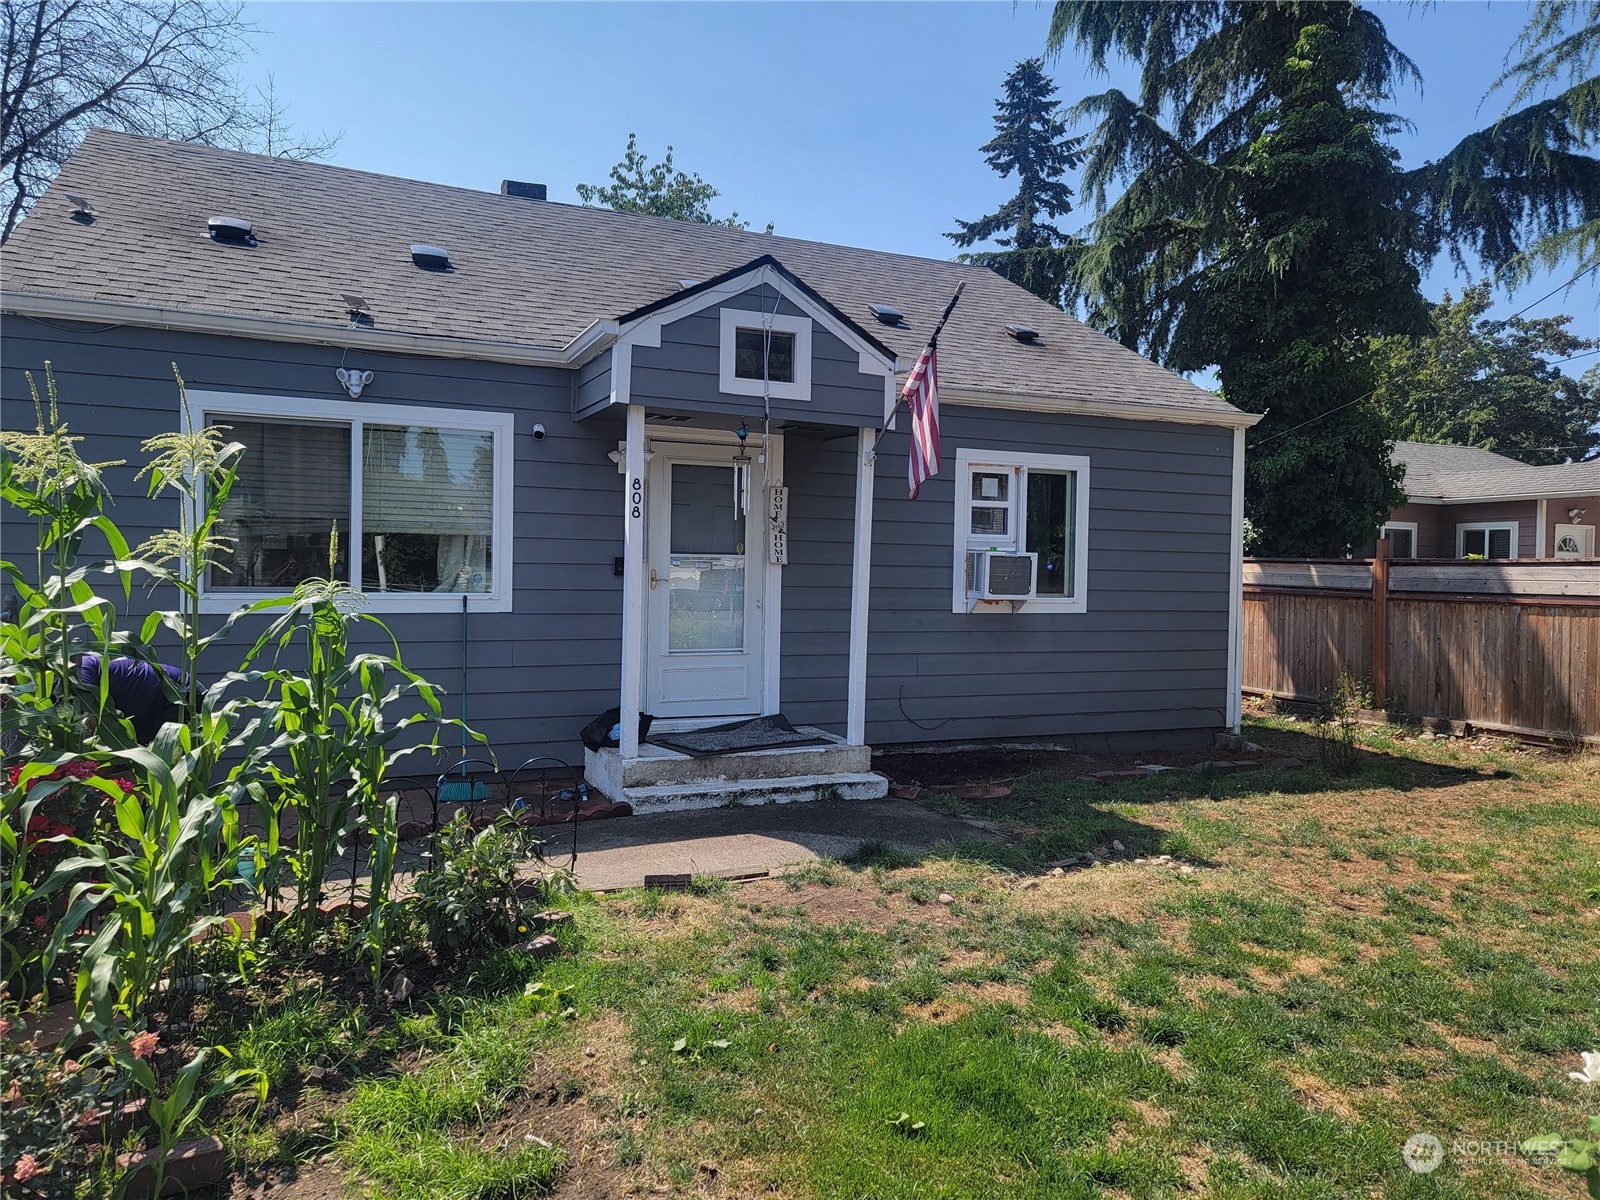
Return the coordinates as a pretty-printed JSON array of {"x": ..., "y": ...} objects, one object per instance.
[{"x": 636, "y": 500}]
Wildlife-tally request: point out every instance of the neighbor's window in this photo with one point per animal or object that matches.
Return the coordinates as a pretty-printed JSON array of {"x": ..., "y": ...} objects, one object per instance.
[
  {"x": 1402, "y": 539},
  {"x": 1486, "y": 540},
  {"x": 1011, "y": 504},
  {"x": 749, "y": 347},
  {"x": 420, "y": 500}
]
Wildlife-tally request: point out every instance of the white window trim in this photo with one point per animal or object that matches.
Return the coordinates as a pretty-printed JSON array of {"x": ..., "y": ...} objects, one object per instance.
[
  {"x": 1409, "y": 526},
  {"x": 204, "y": 406},
  {"x": 968, "y": 458},
  {"x": 1487, "y": 527},
  {"x": 735, "y": 319}
]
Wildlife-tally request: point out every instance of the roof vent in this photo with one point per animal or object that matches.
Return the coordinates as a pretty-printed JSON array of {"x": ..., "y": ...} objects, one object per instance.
[
  {"x": 234, "y": 231},
  {"x": 887, "y": 314},
  {"x": 685, "y": 284},
  {"x": 430, "y": 258},
  {"x": 528, "y": 191},
  {"x": 82, "y": 210},
  {"x": 1026, "y": 334}
]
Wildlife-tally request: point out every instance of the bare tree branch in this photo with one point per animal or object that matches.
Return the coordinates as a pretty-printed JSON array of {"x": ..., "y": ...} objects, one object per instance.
[{"x": 165, "y": 68}]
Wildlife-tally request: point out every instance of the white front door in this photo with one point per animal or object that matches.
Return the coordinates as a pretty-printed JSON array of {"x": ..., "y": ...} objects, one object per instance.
[
  {"x": 1574, "y": 541},
  {"x": 706, "y": 637}
]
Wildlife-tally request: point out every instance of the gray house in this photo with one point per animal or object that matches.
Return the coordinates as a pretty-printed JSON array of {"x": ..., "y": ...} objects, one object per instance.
[{"x": 583, "y": 459}]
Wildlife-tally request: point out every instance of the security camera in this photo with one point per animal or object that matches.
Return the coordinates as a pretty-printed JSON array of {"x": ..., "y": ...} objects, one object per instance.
[{"x": 538, "y": 433}]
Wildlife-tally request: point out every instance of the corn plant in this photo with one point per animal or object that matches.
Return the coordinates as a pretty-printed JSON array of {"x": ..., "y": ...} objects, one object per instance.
[
  {"x": 339, "y": 743},
  {"x": 148, "y": 867}
]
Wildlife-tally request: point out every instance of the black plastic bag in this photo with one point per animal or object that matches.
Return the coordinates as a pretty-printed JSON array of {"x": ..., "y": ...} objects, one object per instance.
[{"x": 597, "y": 733}]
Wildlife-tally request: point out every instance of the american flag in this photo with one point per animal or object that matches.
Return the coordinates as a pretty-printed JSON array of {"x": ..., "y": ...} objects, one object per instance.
[{"x": 921, "y": 394}]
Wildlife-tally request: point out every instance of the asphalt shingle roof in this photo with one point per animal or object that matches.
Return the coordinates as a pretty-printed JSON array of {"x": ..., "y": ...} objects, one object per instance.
[
  {"x": 1440, "y": 472},
  {"x": 527, "y": 272}
]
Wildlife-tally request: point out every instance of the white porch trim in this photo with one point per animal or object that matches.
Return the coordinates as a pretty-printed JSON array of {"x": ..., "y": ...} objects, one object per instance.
[
  {"x": 1236, "y": 585},
  {"x": 860, "y": 591},
  {"x": 632, "y": 584},
  {"x": 1540, "y": 525}
]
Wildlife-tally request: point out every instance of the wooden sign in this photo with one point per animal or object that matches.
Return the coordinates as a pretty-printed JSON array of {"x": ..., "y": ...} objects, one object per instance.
[{"x": 778, "y": 525}]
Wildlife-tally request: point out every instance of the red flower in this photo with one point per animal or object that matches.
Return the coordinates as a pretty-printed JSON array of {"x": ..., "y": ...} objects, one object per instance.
[
  {"x": 14, "y": 774},
  {"x": 78, "y": 768},
  {"x": 125, "y": 784},
  {"x": 41, "y": 826},
  {"x": 27, "y": 1167},
  {"x": 144, "y": 1044}
]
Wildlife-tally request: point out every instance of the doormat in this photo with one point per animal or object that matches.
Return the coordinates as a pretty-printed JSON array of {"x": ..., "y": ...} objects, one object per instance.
[{"x": 758, "y": 733}]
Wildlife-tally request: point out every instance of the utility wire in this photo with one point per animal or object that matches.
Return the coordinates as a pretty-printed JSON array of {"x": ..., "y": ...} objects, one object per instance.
[
  {"x": 1320, "y": 416},
  {"x": 1547, "y": 295}
]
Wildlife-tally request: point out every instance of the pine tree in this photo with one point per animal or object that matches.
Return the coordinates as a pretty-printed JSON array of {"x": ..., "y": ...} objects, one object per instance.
[
  {"x": 1031, "y": 141},
  {"x": 1263, "y": 231}
]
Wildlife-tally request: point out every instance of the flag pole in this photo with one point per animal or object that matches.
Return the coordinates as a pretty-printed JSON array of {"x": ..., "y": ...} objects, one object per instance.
[{"x": 933, "y": 340}]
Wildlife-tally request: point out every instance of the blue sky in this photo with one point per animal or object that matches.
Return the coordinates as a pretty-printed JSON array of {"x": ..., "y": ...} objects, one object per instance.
[{"x": 851, "y": 123}]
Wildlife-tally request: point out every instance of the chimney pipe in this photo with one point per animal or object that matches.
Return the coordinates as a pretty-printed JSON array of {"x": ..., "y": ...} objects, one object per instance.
[{"x": 528, "y": 191}]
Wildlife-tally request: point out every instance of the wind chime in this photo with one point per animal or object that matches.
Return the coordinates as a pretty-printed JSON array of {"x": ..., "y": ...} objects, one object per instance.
[{"x": 741, "y": 472}]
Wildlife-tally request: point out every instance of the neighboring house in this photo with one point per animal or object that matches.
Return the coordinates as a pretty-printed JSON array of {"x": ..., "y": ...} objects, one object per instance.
[
  {"x": 1464, "y": 501},
  {"x": 545, "y": 463}
]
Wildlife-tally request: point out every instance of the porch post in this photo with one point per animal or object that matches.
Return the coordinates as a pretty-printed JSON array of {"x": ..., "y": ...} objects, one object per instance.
[
  {"x": 1232, "y": 711},
  {"x": 860, "y": 591},
  {"x": 633, "y": 567}
]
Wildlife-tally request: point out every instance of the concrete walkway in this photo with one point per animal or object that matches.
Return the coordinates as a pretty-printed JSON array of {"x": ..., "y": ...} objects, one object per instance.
[{"x": 749, "y": 841}]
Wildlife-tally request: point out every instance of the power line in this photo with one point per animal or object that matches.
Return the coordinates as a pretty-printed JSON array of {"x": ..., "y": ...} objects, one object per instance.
[
  {"x": 1563, "y": 287},
  {"x": 1509, "y": 375}
]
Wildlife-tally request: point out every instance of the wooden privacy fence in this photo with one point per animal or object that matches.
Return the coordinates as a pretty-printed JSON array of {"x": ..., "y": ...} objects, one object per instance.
[{"x": 1500, "y": 645}]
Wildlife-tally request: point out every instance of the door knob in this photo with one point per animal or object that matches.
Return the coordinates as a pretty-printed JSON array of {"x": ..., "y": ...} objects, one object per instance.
[{"x": 652, "y": 579}]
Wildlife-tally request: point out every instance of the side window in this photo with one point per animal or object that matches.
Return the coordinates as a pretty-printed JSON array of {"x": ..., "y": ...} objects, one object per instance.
[
  {"x": 1021, "y": 531},
  {"x": 1486, "y": 540}
]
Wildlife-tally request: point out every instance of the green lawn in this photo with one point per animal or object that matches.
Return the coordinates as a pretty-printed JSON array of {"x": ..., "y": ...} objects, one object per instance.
[{"x": 1351, "y": 961}]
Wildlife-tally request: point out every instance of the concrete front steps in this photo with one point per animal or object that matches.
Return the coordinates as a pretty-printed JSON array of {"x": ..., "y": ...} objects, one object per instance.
[{"x": 662, "y": 780}]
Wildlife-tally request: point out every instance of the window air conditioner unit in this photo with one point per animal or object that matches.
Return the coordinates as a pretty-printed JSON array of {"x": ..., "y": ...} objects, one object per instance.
[{"x": 992, "y": 576}]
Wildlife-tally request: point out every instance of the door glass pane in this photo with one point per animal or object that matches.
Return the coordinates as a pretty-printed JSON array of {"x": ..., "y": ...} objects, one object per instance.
[
  {"x": 705, "y": 602},
  {"x": 427, "y": 509},
  {"x": 293, "y": 488},
  {"x": 1051, "y": 524}
]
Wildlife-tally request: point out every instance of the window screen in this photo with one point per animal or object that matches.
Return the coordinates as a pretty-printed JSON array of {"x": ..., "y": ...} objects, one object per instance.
[
  {"x": 293, "y": 488},
  {"x": 427, "y": 509}
]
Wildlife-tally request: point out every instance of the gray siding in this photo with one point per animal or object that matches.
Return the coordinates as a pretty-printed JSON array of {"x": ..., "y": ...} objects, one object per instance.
[
  {"x": 1148, "y": 658},
  {"x": 538, "y": 672},
  {"x": 683, "y": 372},
  {"x": 1146, "y": 662},
  {"x": 591, "y": 390}
]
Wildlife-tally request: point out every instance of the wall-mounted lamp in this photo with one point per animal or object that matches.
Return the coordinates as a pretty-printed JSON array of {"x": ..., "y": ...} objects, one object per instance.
[
  {"x": 1574, "y": 513},
  {"x": 354, "y": 381}
]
